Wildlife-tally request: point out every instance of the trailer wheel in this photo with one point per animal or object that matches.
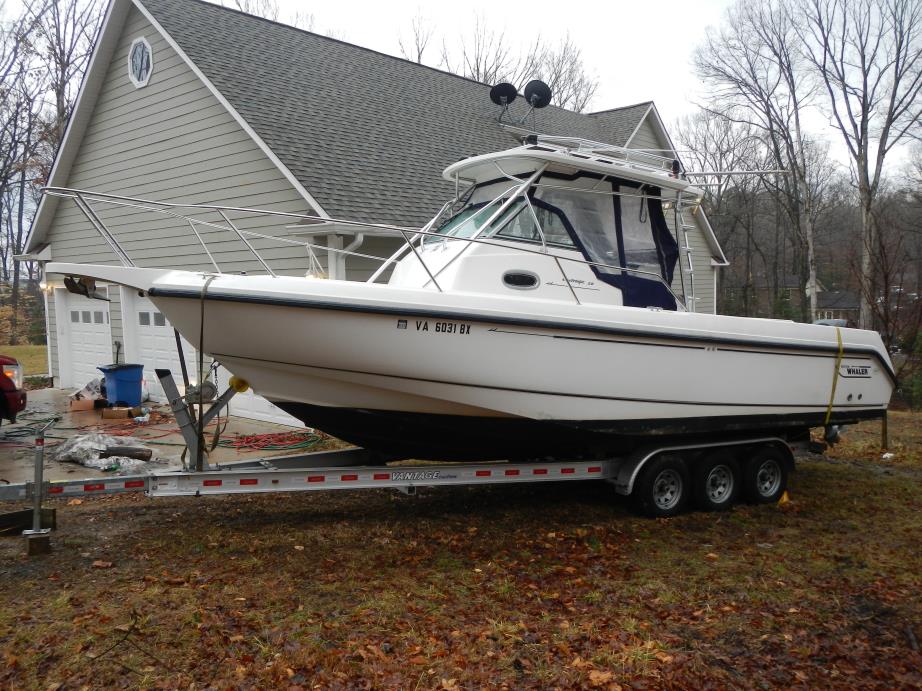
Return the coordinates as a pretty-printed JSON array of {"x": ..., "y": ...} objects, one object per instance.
[
  {"x": 716, "y": 481},
  {"x": 662, "y": 488},
  {"x": 766, "y": 476}
]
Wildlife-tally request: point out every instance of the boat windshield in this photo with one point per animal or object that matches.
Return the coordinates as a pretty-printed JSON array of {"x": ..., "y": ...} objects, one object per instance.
[
  {"x": 517, "y": 222},
  {"x": 468, "y": 221}
]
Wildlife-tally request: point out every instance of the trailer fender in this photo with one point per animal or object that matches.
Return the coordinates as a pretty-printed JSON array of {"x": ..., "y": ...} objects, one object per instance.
[{"x": 629, "y": 468}]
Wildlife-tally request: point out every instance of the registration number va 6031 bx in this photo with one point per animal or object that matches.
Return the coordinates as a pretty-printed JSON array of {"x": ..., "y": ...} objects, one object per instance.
[{"x": 439, "y": 327}]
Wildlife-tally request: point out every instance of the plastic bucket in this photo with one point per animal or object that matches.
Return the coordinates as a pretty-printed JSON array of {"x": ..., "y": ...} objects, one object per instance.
[{"x": 123, "y": 384}]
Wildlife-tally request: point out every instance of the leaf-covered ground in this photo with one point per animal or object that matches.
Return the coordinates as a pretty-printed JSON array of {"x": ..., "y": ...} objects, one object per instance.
[{"x": 531, "y": 586}]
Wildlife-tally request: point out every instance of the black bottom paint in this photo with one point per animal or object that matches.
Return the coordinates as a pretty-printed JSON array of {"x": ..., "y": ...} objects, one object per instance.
[{"x": 464, "y": 438}]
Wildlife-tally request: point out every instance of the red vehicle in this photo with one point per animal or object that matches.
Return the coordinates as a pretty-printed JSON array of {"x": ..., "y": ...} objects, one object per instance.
[{"x": 12, "y": 397}]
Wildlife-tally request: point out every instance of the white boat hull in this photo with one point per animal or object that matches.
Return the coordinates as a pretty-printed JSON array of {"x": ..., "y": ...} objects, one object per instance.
[{"x": 446, "y": 375}]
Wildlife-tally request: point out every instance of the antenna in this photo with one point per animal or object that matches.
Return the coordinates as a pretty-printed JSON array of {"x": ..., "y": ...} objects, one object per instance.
[
  {"x": 538, "y": 95},
  {"x": 503, "y": 94}
]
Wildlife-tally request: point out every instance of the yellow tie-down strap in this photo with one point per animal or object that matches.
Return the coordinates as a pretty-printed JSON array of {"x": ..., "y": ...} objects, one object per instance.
[{"x": 835, "y": 376}]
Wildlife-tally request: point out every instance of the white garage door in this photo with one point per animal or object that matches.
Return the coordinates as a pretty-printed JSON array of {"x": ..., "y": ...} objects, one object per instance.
[
  {"x": 156, "y": 347},
  {"x": 88, "y": 339},
  {"x": 154, "y": 342}
]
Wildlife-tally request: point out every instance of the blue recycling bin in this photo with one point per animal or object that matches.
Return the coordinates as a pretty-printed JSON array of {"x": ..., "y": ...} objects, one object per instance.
[{"x": 123, "y": 384}]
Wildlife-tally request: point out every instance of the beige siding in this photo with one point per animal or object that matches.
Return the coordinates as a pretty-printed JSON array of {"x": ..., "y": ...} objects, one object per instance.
[
  {"x": 646, "y": 138},
  {"x": 172, "y": 141}
]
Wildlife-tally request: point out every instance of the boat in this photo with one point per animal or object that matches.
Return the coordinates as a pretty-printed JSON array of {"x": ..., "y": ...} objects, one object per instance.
[{"x": 543, "y": 312}]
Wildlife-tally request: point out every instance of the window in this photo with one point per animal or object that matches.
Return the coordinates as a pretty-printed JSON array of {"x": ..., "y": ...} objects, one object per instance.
[
  {"x": 159, "y": 319},
  {"x": 466, "y": 222},
  {"x": 522, "y": 225},
  {"x": 75, "y": 316},
  {"x": 97, "y": 317},
  {"x": 640, "y": 251},
  {"x": 140, "y": 62},
  {"x": 592, "y": 217},
  {"x": 85, "y": 317},
  {"x": 144, "y": 318}
]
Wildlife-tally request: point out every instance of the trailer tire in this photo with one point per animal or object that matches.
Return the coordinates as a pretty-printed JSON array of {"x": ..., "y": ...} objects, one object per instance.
[
  {"x": 716, "y": 481},
  {"x": 662, "y": 488},
  {"x": 765, "y": 477}
]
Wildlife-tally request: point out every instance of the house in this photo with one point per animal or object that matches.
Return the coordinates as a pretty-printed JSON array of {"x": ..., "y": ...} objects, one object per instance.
[
  {"x": 837, "y": 304},
  {"x": 186, "y": 101}
]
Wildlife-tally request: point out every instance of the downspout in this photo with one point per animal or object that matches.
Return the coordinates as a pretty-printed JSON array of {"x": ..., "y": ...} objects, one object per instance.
[{"x": 352, "y": 246}]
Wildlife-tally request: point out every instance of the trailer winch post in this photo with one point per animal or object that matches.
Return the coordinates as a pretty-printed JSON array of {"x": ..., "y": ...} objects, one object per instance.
[{"x": 185, "y": 418}]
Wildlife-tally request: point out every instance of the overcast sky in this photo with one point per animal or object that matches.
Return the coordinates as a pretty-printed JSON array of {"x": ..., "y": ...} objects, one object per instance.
[{"x": 640, "y": 51}]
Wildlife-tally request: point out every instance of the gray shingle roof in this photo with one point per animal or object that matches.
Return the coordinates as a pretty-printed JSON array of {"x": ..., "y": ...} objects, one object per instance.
[
  {"x": 620, "y": 123},
  {"x": 367, "y": 134},
  {"x": 837, "y": 299}
]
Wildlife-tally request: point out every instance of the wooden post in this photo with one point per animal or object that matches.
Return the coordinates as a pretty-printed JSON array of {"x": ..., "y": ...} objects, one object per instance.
[{"x": 884, "y": 436}]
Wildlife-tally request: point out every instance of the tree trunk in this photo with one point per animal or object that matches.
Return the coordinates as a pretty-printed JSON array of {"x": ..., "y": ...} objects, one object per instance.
[
  {"x": 811, "y": 266},
  {"x": 865, "y": 276}
]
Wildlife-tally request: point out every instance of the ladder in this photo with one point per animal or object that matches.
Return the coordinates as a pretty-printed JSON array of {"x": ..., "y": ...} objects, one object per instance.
[{"x": 687, "y": 267}]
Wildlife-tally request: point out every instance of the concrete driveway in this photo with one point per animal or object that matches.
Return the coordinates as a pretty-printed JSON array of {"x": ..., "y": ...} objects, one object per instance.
[{"x": 161, "y": 434}]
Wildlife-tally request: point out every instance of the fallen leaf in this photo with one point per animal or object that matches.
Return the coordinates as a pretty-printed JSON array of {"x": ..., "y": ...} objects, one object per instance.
[
  {"x": 300, "y": 548},
  {"x": 711, "y": 555},
  {"x": 663, "y": 657},
  {"x": 100, "y": 564},
  {"x": 599, "y": 677},
  {"x": 417, "y": 660},
  {"x": 75, "y": 502}
]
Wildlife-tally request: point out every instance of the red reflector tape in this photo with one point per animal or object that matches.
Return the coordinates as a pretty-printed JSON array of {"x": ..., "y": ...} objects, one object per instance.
[
  {"x": 249, "y": 481},
  {"x": 483, "y": 473},
  {"x": 315, "y": 478},
  {"x": 40, "y": 441},
  {"x": 213, "y": 483},
  {"x": 567, "y": 471},
  {"x": 130, "y": 484},
  {"x": 514, "y": 471},
  {"x": 595, "y": 469},
  {"x": 346, "y": 478},
  {"x": 94, "y": 487},
  {"x": 382, "y": 476},
  {"x": 539, "y": 471},
  {"x": 55, "y": 490}
]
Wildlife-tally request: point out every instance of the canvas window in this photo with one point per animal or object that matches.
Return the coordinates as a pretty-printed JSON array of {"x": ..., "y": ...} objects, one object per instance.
[{"x": 144, "y": 318}]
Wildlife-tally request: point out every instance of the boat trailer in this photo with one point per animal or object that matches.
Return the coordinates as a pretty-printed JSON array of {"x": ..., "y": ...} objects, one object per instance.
[{"x": 346, "y": 469}]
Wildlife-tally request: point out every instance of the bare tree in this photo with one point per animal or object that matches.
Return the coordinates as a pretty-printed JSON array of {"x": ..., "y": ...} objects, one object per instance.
[
  {"x": 487, "y": 56},
  {"x": 269, "y": 9},
  {"x": 867, "y": 55},
  {"x": 563, "y": 70},
  {"x": 420, "y": 36},
  {"x": 63, "y": 43},
  {"x": 754, "y": 67}
]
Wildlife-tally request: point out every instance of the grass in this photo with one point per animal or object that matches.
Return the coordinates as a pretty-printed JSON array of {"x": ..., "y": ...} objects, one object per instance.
[
  {"x": 515, "y": 586},
  {"x": 33, "y": 358}
]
